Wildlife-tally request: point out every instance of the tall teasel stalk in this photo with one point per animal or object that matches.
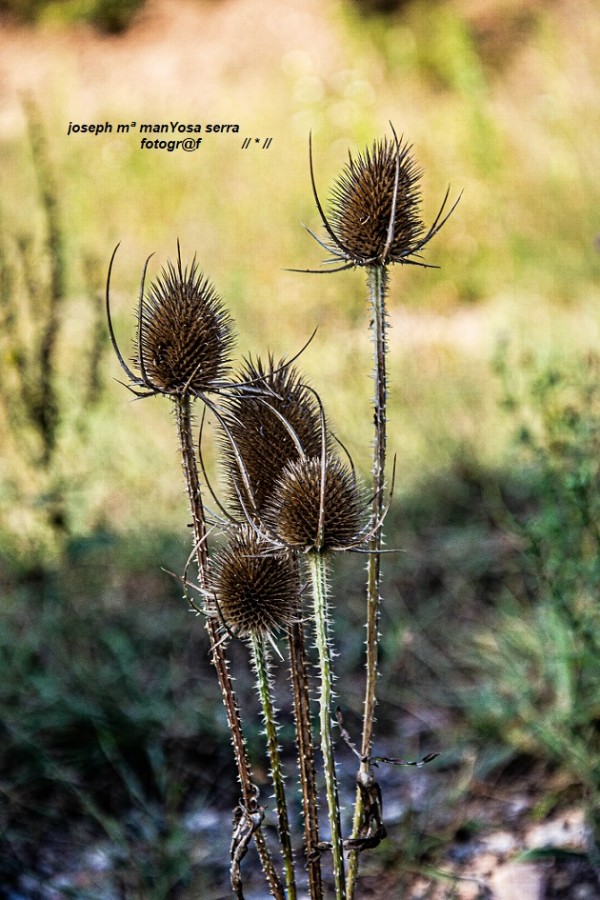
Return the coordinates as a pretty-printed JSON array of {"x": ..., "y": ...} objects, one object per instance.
[
  {"x": 184, "y": 337},
  {"x": 255, "y": 593},
  {"x": 264, "y": 433},
  {"x": 317, "y": 566},
  {"x": 260, "y": 664},
  {"x": 306, "y": 758},
  {"x": 316, "y": 509},
  {"x": 374, "y": 221},
  {"x": 309, "y": 505}
]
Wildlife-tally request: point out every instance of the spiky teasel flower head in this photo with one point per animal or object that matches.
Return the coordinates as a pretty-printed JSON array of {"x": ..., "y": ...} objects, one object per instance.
[
  {"x": 374, "y": 211},
  {"x": 276, "y": 423},
  {"x": 317, "y": 506},
  {"x": 362, "y": 202},
  {"x": 252, "y": 589},
  {"x": 184, "y": 334}
]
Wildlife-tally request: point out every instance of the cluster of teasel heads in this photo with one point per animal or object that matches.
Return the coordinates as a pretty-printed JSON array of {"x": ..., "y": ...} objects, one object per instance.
[{"x": 291, "y": 500}]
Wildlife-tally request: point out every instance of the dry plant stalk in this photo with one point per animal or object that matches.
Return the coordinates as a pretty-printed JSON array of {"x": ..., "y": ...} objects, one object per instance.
[
  {"x": 254, "y": 594},
  {"x": 30, "y": 313},
  {"x": 374, "y": 221},
  {"x": 306, "y": 758},
  {"x": 44, "y": 418},
  {"x": 182, "y": 352}
]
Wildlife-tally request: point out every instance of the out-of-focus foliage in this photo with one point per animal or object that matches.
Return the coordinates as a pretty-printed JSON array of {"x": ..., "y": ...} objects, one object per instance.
[
  {"x": 539, "y": 666},
  {"x": 42, "y": 415},
  {"x": 105, "y": 736},
  {"x": 111, "y": 16}
]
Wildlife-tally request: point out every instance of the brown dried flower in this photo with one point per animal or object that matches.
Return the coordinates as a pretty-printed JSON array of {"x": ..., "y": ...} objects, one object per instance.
[
  {"x": 317, "y": 505},
  {"x": 268, "y": 428},
  {"x": 253, "y": 590},
  {"x": 375, "y": 209},
  {"x": 184, "y": 334}
]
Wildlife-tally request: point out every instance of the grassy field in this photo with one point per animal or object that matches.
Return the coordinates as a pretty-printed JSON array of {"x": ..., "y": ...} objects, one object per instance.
[{"x": 494, "y": 414}]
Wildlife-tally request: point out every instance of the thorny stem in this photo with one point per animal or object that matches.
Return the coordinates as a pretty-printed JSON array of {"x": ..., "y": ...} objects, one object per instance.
[
  {"x": 249, "y": 793},
  {"x": 377, "y": 282},
  {"x": 306, "y": 760},
  {"x": 318, "y": 573},
  {"x": 261, "y": 667}
]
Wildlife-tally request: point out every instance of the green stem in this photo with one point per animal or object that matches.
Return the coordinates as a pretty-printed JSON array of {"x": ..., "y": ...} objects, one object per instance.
[
  {"x": 306, "y": 758},
  {"x": 249, "y": 792},
  {"x": 261, "y": 667},
  {"x": 318, "y": 572},
  {"x": 377, "y": 282}
]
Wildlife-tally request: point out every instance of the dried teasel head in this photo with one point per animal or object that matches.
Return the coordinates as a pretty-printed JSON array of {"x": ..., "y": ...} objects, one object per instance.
[
  {"x": 252, "y": 589},
  {"x": 184, "y": 334},
  {"x": 317, "y": 506},
  {"x": 374, "y": 216},
  {"x": 275, "y": 424}
]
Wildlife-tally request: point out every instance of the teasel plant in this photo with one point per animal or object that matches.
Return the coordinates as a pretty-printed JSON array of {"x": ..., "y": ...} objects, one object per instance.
[
  {"x": 182, "y": 351},
  {"x": 292, "y": 502},
  {"x": 374, "y": 221},
  {"x": 319, "y": 508},
  {"x": 254, "y": 593},
  {"x": 314, "y": 508},
  {"x": 264, "y": 433}
]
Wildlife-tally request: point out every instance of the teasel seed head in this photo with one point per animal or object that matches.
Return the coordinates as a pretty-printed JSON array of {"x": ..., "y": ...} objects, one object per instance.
[
  {"x": 184, "y": 334},
  {"x": 265, "y": 443},
  {"x": 363, "y": 198},
  {"x": 374, "y": 215},
  {"x": 252, "y": 589},
  {"x": 308, "y": 516}
]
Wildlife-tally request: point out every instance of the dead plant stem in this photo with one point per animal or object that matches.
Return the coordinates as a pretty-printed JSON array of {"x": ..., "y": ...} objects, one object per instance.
[
  {"x": 306, "y": 758},
  {"x": 260, "y": 663},
  {"x": 377, "y": 282},
  {"x": 249, "y": 791}
]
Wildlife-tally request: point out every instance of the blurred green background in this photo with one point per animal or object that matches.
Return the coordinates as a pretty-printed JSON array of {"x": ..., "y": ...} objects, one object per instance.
[{"x": 105, "y": 683}]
